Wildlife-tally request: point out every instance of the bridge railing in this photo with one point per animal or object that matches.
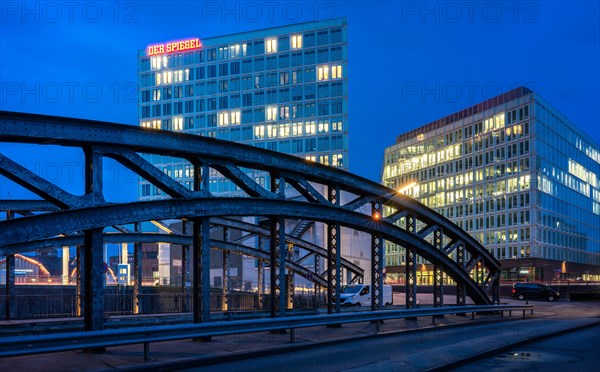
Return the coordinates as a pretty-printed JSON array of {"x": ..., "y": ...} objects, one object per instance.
[{"x": 25, "y": 345}]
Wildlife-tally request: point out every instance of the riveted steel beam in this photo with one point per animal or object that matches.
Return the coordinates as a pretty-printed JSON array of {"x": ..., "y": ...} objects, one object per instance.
[
  {"x": 242, "y": 180},
  {"x": 460, "y": 286}
]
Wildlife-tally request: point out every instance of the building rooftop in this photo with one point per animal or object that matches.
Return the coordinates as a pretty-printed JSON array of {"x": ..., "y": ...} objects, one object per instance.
[{"x": 469, "y": 111}]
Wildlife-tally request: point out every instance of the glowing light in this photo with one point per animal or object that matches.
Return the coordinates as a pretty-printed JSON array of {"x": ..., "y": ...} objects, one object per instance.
[
  {"x": 406, "y": 187},
  {"x": 174, "y": 46},
  {"x": 376, "y": 216}
]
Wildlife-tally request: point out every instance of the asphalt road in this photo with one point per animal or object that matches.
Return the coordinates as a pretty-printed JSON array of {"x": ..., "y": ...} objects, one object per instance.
[
  {"x": 577, "y": 351},
  {"x": 441, "y": 346}
]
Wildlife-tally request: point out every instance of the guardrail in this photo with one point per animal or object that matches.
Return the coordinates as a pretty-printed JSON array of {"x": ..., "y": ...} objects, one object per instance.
[{"x": 49, "y": 343}]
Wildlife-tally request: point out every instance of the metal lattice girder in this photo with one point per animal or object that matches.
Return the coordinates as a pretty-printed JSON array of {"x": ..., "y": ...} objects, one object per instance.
[
  {"x": 411, "y": 267},
  {"x": 438, "y": 273},
  {"x": 377, "y": 254},
  {"x": 137, "y": 274},
  {"x": 333, "y": 256},
  {"x": 290, "y": 290},
  {"x": 460, "y": 286},
  {"x": 260, "y": 275},
  {"x": 278, "y": 250},
  {"x": 39, "y": 129}
]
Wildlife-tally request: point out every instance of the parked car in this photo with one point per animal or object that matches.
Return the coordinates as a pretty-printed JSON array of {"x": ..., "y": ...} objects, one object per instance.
[{"x": 534, "y": 291}]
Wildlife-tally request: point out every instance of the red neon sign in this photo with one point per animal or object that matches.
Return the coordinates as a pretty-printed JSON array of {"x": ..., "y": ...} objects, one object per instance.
[{"x": 174, "y": 46}]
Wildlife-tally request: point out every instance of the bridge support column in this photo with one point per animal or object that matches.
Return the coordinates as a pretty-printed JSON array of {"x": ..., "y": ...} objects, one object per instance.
[
  {"x": 377, "y": 257},
  {"x": 11, "y": 305},
  {"x": 317, "y": 286},
  {"x": 137, "y": 274},
  {"x": 260, "y": 277},
  {"x": 278, "y": 250},
  {"x": 411, "y": 268},
  {"x": 93, "y": 280},
  {"x": 438, "y": 273},
  {"x": 201, "y": 270},
  {"x": 496, "y": 290},
  {"x": 225, "y": 287},
  {"x": 460, "y": 286},
  {"x": 290, "y": 290},
  {"x": 79, "y": 282},
  {"x": 333, "y": 256},
  {"x": 185, "y": 251}
]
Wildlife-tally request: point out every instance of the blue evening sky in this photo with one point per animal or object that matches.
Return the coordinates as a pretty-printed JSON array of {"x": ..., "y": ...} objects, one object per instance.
[{"x": 410, "y": 62}]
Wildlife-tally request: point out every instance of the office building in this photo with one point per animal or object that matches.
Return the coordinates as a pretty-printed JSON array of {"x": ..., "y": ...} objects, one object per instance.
[
  {"x": 282, "y": 88},
  {"x": 514, "y": 173}
]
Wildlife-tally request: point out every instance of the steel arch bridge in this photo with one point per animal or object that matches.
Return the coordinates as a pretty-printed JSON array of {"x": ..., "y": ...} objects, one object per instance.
[{"x": 296, "y": 191}]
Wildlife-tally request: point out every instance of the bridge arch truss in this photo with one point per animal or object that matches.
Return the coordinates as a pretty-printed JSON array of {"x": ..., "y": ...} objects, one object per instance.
[{"x": 296, "y": 190}]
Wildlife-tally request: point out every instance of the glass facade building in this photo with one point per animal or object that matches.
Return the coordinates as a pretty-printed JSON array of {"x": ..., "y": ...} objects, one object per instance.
[
  {"x": 514, "y": 173},
  {"x": 282, "y": 88}
]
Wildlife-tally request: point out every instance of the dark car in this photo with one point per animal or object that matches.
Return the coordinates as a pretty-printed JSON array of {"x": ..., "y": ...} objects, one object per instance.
[{"x": 534, "y": 291}]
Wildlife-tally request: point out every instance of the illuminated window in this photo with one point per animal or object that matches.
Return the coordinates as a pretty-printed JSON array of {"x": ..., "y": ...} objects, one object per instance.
[
  {"x": 259, "y": 131},
  {"x": 271, "y": 45},
  {"x": 336, "y": 126},
  {"x": 284, "y": 112},
  {"x": 296, "y": 41},
  {"x": 229, "y": 118},
  {"x": 323, "y": 73},
  {"x": 324, "y": 159},
  {"x": 156, "y": 94},
  {"x": 284, "y": 130},
  {"x": 323, "y": 126},
  {"x": 271, "y": 113},
  {"x": 336, "y": 72},
  {"x": 271, "y": 131},
  {"x": 311, "y": 158},
  {"x": 177, "y": 123},
  {"x": 311, "y": 127},
  {"x": 337, "y": 160},
  {"x": 297, "y": 129}
]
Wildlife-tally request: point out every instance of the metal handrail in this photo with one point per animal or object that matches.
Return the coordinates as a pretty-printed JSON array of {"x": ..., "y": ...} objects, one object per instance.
[{"x": 49, "y": 343}]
